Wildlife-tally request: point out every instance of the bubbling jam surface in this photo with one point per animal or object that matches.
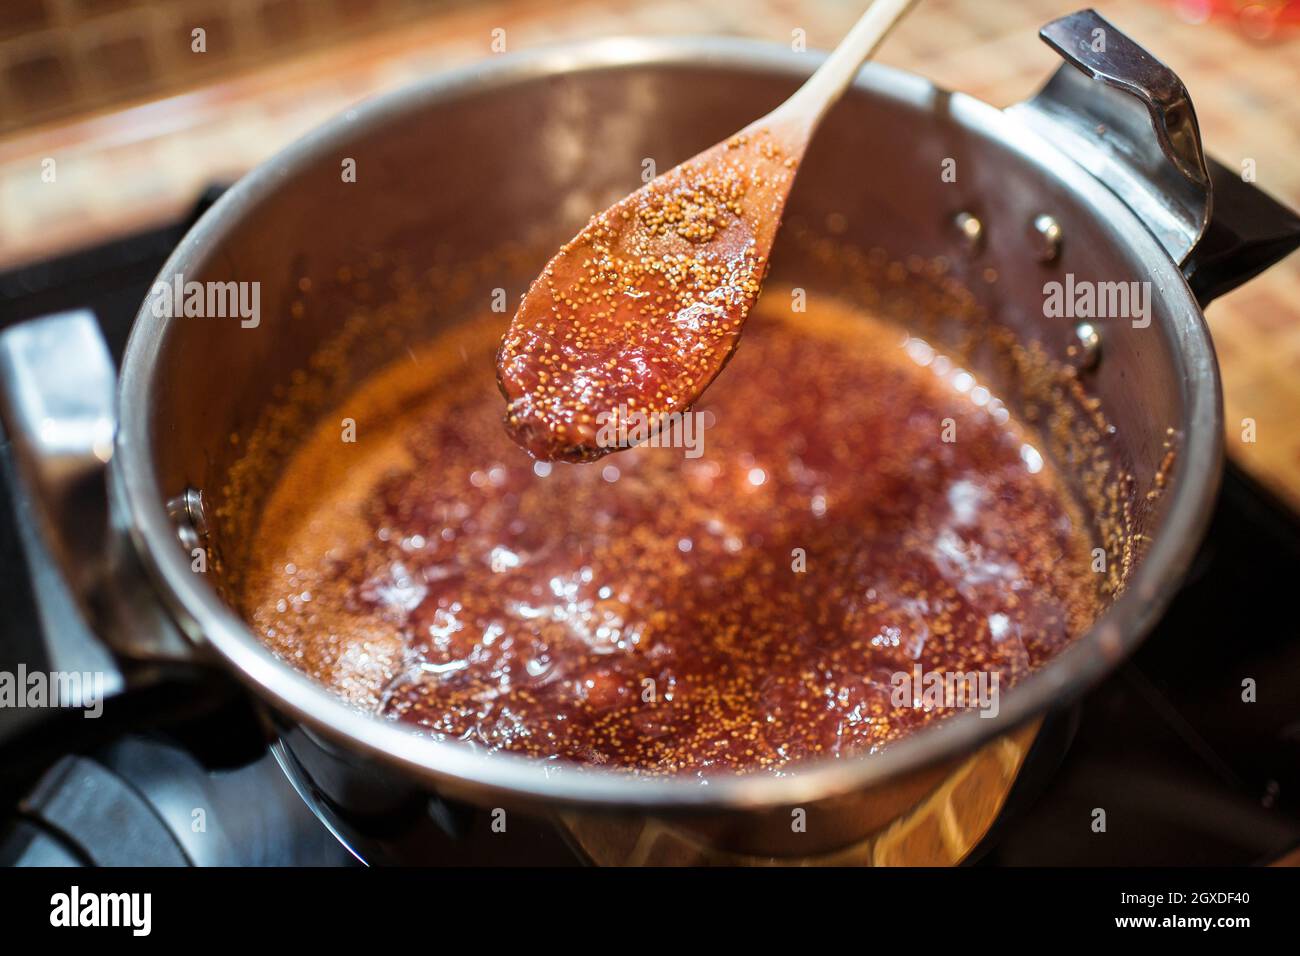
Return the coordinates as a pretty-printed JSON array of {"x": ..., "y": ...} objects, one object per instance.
[{"x": 860, "y": 509}]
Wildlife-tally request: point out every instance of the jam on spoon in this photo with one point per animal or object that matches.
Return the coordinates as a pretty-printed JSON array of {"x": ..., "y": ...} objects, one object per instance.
[{"x": 640, "y": 311}]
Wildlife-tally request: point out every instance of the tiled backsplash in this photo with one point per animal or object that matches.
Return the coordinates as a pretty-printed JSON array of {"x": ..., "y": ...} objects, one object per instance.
[{"x": 60, "y": 58}]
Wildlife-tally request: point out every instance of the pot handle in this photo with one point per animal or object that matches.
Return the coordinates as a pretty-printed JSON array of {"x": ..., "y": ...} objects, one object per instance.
[
  {"x": 1126, "y": 118},
  {"x": 98, "y": 615}
]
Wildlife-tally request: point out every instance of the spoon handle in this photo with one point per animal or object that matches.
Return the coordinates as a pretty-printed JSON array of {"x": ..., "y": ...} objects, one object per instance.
[{"x": 811, "y": 101}]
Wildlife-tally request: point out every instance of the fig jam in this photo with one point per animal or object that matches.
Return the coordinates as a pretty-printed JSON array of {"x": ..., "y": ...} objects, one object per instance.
[
  {"x": 858, "y": 509},
  {"x": 641, "y": 310}
]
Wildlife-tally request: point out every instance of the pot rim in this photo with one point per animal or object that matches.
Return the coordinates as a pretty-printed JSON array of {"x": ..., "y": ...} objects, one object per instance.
[{"x": 140, "y": 503}]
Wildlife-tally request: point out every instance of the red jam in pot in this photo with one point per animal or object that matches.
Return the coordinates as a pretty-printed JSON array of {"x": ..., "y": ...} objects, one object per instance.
[{"x": 857, "y": 509}]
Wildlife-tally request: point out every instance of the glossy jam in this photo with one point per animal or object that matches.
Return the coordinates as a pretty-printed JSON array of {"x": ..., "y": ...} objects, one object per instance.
[
  {"x": 739, "y": 610},
  {"x": 640, "y": 311}
]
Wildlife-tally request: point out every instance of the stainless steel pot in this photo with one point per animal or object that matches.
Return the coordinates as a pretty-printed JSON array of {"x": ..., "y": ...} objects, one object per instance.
[{"x": 1100, "y": 175}]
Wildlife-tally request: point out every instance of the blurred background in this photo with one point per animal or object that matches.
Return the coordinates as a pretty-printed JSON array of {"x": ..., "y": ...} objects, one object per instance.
[{"x": 141, "y": 104}]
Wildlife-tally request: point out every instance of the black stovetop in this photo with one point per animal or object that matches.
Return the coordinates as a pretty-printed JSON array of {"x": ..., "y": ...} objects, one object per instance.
[{"x": 1187, "y": 772}]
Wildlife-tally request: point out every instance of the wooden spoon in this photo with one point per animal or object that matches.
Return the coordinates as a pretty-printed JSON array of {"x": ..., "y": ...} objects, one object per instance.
[{"x": 637, "y": 314}]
